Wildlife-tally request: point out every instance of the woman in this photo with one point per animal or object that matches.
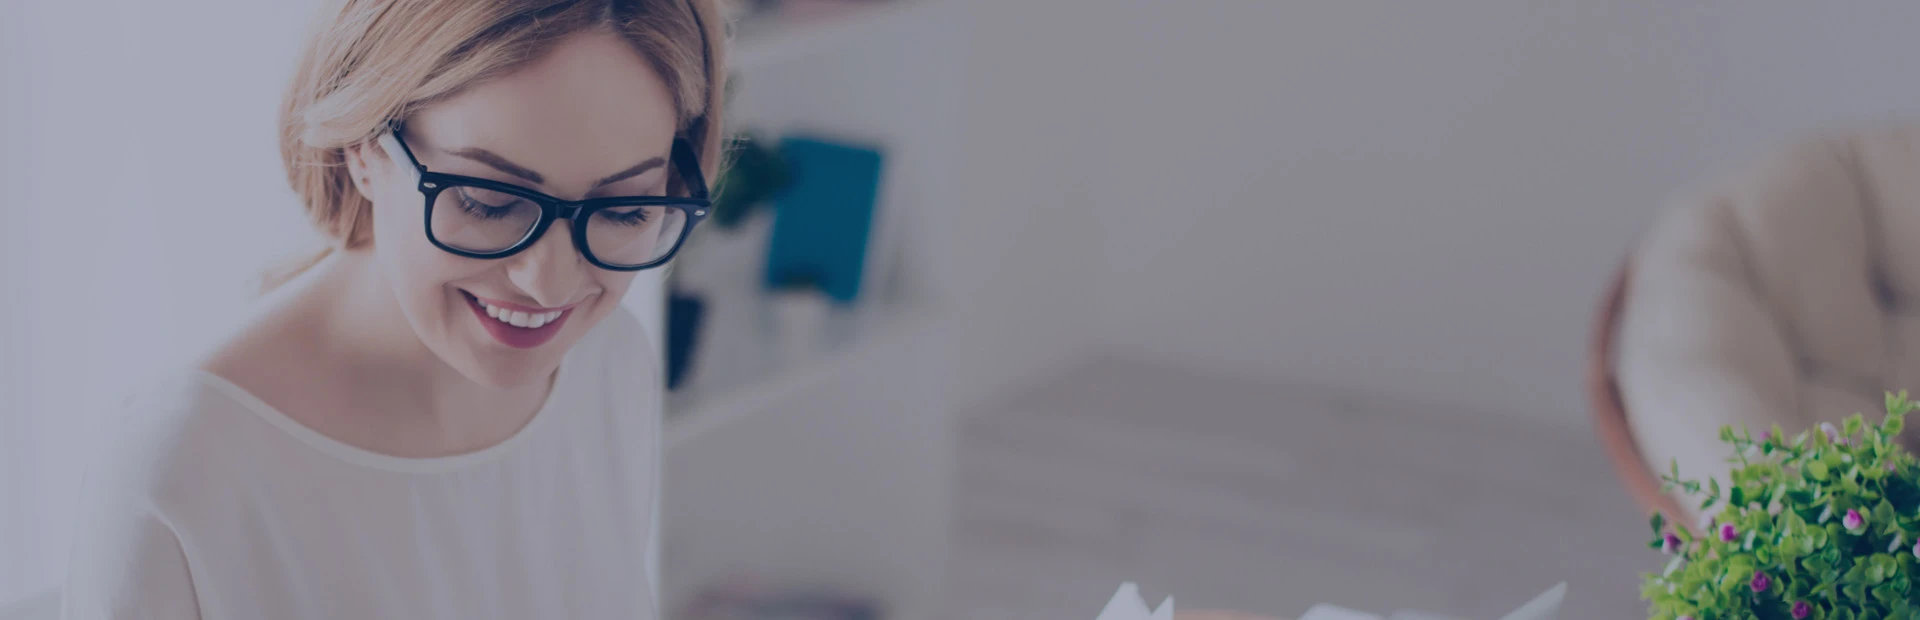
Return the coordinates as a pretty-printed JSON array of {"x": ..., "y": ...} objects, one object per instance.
[{"x": 449, "y": 415}]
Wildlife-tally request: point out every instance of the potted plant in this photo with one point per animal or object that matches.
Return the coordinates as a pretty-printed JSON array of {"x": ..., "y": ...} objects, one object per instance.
[
  {"x": 1822, "y": 525},
  {"x": 720, "y": 258}
]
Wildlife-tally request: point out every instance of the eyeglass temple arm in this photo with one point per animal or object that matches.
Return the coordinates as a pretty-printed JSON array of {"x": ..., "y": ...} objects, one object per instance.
[
  {"x": 689, "y": 166},
  {"x": 393, "y": 134}
]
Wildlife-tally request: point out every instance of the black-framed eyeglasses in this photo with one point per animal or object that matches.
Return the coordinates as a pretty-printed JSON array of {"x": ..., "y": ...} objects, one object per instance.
[{"x": 483, "y": 218}]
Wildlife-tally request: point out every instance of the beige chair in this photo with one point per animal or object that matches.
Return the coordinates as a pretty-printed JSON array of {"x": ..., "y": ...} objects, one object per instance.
[{"x": 1788, "y": 293}]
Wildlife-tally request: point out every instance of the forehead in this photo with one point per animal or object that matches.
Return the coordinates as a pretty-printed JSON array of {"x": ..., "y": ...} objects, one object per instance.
[{"x": 588, "y": 104}]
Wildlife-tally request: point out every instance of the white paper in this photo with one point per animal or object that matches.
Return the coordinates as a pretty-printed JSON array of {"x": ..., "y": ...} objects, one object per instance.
[
  {"x": 1418, "y": 615},
  {"x": 1127, "y": 605},
  {"x": 1335, "y": 612},
  {"x": 1543, "y": 607},
  {"x": 1546, "y": 606}
]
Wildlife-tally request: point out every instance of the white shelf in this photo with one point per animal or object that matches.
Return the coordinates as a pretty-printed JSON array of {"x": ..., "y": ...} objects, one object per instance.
[
  {"x": 696, "y": 409},
  {"x": 804, "y": 27}
]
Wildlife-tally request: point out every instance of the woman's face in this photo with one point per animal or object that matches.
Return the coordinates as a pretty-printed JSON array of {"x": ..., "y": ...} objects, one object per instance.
[{"x": 586, "y": 112}]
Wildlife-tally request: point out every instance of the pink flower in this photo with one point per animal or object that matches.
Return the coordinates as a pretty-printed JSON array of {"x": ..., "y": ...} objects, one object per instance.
[
  {"x": 1728, "y": 532},
  {"x": 1670, "y": 545},
  {"x": 1853, "y": 520},
  {"x": 1833, "y": 434},
  {"x": 1760, "y": 582},
  {"x": 1766, "y": 436},
  {"x": 1891, "y": 468},
  {"x": 1801, "y": 609},
  {"x": 1685, "y": 618}
]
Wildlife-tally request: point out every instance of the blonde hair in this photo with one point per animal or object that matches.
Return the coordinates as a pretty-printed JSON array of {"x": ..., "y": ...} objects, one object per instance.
[{"x": 375, "y": 61}]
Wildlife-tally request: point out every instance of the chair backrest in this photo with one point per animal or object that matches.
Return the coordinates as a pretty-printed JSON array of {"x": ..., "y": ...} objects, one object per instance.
[
  {"x": 1610, "y": 411},
  {"x": 41, "y": 606}
]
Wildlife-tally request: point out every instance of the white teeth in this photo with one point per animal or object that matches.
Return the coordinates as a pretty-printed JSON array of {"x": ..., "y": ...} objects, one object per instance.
[{"x": 520, "y": 319}]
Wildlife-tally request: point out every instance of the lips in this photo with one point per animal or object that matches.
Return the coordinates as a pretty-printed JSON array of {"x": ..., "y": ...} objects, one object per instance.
[{"x": 517, "y": 326}]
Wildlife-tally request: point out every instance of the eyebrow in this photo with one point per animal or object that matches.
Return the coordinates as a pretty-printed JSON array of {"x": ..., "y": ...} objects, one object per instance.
[{"x": 500, "y": 163}]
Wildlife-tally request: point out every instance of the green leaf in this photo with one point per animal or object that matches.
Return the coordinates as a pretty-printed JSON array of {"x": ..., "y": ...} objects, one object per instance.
[
  {"x": 1851, "y": 427},
  {"x": 1658, "y": 521},
  {"x": 1855, "y": 592},
  {"x": 1825, "y": 514},
  {"x": 1818, "y": 470},
  {"x": 1737, "y": 496},
  {"x": 1892, "y": 426}
]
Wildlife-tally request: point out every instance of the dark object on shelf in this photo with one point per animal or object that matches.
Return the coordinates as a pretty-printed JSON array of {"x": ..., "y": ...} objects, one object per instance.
[
  {"x": 821, "y": 224},
  {"x": 684, "y": 315},
  {"x": 750, "y": 602},
  {"x": 755, "y": 174}
]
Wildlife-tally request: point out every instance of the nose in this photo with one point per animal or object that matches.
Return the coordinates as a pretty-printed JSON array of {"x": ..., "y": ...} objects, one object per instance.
[{"x": 551, "y": 271}]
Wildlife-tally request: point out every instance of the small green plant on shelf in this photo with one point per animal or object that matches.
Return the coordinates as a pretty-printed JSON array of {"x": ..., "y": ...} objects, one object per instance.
[
  {"x": 755, "y": 173},
  {"x": 1822, "y": 525}
]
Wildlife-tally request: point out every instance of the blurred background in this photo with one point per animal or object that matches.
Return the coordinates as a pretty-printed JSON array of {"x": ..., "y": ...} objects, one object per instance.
[{"x": 1261, "y": 304}]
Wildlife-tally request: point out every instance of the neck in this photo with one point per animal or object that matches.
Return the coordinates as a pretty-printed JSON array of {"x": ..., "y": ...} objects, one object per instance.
[
  {"x": 365, "y": 328},
  {"x": 393, "y": 371},
  {"x": 333, "y": 350}
]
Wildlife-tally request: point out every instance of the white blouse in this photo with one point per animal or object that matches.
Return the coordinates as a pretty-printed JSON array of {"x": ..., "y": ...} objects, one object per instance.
[{"x": 210, "y": 504}]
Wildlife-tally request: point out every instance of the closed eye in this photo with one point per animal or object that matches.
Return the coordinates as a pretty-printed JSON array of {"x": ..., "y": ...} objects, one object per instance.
[
  {"x": 626, "y": 216},
  {"x": 486, "y": 204}
]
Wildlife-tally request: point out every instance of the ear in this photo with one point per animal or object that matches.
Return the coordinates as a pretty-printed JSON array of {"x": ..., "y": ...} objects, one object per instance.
[{"x": 366, "y": 165}]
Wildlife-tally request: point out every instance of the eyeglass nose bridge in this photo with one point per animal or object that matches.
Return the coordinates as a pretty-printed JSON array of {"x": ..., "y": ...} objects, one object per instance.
[{"x": 569, "y": 211}]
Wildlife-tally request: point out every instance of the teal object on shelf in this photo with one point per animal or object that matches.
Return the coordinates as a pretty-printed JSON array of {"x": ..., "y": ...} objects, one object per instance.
[{"x": 823, "y": 221}]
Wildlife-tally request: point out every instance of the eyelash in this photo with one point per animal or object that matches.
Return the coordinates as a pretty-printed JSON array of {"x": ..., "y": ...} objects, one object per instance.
[
  {"x": 482, "y": 210},
  {"x": 635, "y": 218}
]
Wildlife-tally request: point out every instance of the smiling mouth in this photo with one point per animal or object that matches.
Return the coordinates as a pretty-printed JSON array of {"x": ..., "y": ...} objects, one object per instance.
[
  {"x": 519, "y": 318},
  {"x": 519, "y": 327}
]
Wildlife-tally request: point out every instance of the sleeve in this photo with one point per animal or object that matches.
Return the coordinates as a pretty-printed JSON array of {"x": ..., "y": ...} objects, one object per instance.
[
  {"x": 653, "y": 544},
  {"x": 634, "y": 350},
  {"x": 127, "y": 563},
  {"x": 127, "y": 560},
  {"x": 656, "y": 403}
]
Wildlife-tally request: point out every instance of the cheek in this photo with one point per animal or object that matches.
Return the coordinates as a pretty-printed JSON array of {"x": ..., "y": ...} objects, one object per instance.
[
  {"x": 418, "y": 270},
  {"x": 614, "y": 285}
]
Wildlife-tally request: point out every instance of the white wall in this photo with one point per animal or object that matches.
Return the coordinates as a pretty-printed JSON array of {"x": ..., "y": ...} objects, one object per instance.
[
  {"x": 1425, "y": 198},
  {"x": 1019, "y": 253},
  {"x": 130, "y": 138}
]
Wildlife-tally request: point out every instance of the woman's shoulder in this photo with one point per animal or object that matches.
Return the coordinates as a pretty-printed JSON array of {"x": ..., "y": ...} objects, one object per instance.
[{"x": 170, "y": 435}]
